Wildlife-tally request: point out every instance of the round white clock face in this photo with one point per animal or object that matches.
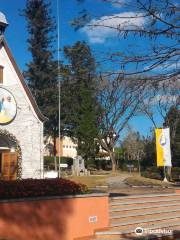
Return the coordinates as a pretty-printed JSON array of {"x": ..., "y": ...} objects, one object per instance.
[{"x": 8, "y": 107}]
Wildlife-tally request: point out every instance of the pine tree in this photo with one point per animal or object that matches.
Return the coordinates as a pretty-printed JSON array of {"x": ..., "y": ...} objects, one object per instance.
[
  {"x": 78, "y": 98},
  {"x": 41, "y": 74}
]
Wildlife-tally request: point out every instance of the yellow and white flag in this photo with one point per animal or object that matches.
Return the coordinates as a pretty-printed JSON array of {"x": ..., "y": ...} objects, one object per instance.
[{"x": 163, "y": 147}]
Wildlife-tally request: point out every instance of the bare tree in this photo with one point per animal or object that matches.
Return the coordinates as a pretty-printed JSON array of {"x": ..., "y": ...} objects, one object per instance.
[
  {"x": 159, "y": 98},
  {"x": 134, "y": 148},
  {"x": 119, "y": 101},
  {"x": 155, "y": 20}
]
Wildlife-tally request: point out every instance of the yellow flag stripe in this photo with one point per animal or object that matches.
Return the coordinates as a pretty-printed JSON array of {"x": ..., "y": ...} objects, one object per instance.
[{"x": 159, "y": 149}]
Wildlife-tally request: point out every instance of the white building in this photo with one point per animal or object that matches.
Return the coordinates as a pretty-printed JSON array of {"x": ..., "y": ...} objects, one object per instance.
[
  {"x": 68, "y": 148},
  {"x": 21, "y": 122}
]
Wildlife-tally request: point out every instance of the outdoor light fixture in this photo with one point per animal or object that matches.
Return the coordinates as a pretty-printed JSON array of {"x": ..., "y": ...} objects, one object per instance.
[{"x": 12, "y": 150}]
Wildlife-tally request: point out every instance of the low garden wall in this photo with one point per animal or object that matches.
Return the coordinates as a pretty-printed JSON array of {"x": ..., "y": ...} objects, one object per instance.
[{"x": 53, "y": 218}]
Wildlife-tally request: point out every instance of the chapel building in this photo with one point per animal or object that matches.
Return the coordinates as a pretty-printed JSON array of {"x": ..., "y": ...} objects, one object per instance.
[{"x": 21, "y": 122}]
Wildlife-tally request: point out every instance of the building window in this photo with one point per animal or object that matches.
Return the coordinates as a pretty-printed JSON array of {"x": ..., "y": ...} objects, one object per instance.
[{"x": 1, "y": 74}]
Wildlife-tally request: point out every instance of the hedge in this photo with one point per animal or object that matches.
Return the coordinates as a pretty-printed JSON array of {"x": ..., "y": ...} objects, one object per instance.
[{"x": 39, "y": 188}]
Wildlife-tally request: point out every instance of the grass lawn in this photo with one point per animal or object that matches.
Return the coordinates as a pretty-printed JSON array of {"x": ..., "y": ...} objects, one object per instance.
[
  {"x": 90, "y": 181},
  {"x": 141, "y": 181},
  {"x": 131, "y": 179},
  {"x": 94, "y": 180}
]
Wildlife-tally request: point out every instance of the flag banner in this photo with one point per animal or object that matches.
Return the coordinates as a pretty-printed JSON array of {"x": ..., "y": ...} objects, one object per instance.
[{"x": 163, "y": 147}]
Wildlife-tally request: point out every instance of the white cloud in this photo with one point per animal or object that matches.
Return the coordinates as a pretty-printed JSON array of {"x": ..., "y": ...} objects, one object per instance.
[
  {"x": 99, "y": 30},
  {"x": 118, "y": 3}
]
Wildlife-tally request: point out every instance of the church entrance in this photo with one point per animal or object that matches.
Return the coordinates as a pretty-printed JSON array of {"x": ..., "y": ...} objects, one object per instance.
[
  {"x": 8, "y": 166},
  {"x": 8, "y": 159}
]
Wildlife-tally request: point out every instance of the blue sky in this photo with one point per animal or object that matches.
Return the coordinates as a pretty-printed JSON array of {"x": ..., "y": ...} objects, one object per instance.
[{"x": 101, "y": 41}]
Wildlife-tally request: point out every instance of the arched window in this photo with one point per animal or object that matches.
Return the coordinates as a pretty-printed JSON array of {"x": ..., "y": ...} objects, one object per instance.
[{"x": 1, "y": 74}]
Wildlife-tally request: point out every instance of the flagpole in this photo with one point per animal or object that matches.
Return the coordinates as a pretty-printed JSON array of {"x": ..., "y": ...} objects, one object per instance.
[
  {"x": 165, "y": 178},
  {"x": 59, "y": 89}
]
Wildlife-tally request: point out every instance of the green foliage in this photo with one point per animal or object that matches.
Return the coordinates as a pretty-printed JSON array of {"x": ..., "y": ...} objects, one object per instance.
[
  {"x": 158, "y": 173},
  {"x": 49, "y": 160},
  {"x": 96, "y": 164},
  {"x": 81, "y": 20},
  {"x": 79, "y": 116},
  {"x": 149, "y": 158},
  {"x": 41, "y": 74},
  {"x": 173, "y": 121},
  {"x": 40, "y": 188},
  {"x": 176, "y": 173},
  {"x": 153, "y": 173},
  {"x": 119, "y": 156}
]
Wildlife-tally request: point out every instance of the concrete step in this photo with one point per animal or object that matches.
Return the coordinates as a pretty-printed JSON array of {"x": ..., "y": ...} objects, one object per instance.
[
  {"x": 144, "y": 201},
  {"x": 145, "y": 219},
  {"x": 144, "y": 211},
  {"x": 152, "y": 211},
  {"x": 144, "y": 196},
  {"x": 143, "y": 206},
  {"x": 141, "y": 214},
  {"x": 129, "y": 231}
]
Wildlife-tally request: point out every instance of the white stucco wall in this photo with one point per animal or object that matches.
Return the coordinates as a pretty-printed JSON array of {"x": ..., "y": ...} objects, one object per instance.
[
  {"x": 69, "y": 148},
  {"x": 26, "y": 126}
]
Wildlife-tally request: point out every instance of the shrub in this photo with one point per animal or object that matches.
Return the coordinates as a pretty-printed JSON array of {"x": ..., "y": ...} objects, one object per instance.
[
  {"x": 158, "y": 173},
  {"x": 152, "y": 175},
  {"x": 39, "y": 188},
  {"x": 50, "y": 160},
  {"x": 154, "y": 172},
  {"x": 176, "y": 173}
]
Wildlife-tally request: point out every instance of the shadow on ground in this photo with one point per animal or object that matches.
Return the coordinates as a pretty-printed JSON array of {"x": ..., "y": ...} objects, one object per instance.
[
  {"x": 118, "y": 194},
  {"x": 175, "y": 235}
]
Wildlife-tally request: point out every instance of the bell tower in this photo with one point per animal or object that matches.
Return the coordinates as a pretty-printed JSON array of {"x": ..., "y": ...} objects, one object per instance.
[{"x": 3, "y": 23}]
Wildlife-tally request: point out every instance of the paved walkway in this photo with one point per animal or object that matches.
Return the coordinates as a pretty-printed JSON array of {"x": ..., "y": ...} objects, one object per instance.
[
  {"x": 117, "y": 186},
  {"x": 117, "y": 181}
]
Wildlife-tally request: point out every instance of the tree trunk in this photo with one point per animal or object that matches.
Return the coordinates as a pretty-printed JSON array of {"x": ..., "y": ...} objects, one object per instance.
[
  {"x": 113, "y": 161},
  {"x": 54, "y": 153},
  {"x": 139, "y": 167}
]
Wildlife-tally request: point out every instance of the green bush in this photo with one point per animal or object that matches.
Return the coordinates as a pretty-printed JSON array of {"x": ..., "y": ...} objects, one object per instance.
[
  {"x": 39, "y": 188},
  {"x": 176, "y": 173},
  {"x": 49, "y": 161},
  {"x": 153, "y": 173},
  {"x": 158, "y": 173}
]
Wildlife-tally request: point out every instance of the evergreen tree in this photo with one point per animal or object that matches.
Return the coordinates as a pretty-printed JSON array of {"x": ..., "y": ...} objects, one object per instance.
[
  {"x": 41, "y": 74},
  {"x": 78, "y": 98},
  {"x": 173, "y": 122}
]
